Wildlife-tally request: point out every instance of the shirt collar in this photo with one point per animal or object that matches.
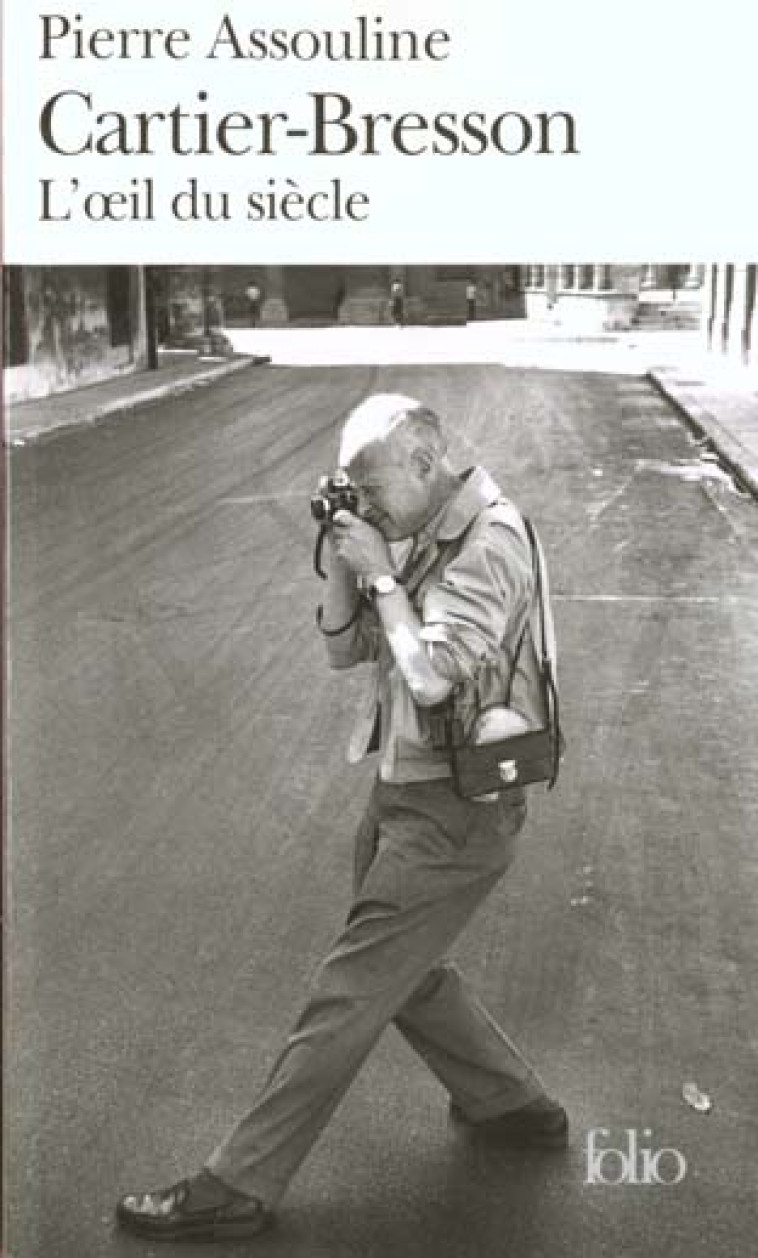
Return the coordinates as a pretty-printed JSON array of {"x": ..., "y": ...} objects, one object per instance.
[{"x": 478, "y": 490}]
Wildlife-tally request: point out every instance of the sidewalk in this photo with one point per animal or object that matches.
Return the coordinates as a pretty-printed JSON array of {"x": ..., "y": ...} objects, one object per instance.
[
  {"x": 721, "y": 404},
  {"x": 41, "y": 418}
]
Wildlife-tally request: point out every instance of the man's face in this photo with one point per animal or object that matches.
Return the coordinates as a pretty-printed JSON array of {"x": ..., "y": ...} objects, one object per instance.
[{"x": 394, "y": 489}]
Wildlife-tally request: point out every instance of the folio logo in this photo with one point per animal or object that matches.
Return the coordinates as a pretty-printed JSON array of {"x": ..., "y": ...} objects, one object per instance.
[{"x": 636, "y": 1163}]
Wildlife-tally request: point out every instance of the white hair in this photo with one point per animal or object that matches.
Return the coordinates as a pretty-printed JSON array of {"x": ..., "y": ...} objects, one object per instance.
[{"x": 373, "y": 420}]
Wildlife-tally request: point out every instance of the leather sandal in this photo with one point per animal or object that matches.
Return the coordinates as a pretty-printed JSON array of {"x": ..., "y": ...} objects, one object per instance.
[{"x": 199, "y": 1208}]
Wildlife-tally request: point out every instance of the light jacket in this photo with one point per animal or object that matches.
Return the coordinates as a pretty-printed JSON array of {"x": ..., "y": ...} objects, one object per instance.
[{"x": 470, "y": 578}]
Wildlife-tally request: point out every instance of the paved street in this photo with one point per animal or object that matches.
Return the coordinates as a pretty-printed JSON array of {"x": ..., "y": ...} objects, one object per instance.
[{"x": 182, "y": 821}]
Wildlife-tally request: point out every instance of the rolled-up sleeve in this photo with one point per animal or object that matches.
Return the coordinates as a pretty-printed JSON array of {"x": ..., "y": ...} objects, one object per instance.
[{"x": 482, "y": 591}]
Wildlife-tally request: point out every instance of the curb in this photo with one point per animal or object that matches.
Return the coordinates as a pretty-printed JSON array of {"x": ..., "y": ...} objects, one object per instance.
[
  {"x": 737, "y": 457},
  {"x": 135, "y": 401}
]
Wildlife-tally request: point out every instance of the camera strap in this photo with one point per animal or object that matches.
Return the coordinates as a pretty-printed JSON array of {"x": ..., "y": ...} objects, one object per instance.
[
  {"x": 335, "y": 633},
  {"x": 547, "y": 656},
  {"x": 447, "y": 730}
]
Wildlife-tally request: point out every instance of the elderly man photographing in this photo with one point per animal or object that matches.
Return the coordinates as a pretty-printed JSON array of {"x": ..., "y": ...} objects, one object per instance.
[{"x": 432, "y": 579}]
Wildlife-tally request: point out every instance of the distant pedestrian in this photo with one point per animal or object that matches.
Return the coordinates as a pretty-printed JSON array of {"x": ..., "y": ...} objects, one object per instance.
[
  {"x": 397, "y": 297},
  {"x": 253, "y": 294},
  {"x": 471, "y": 301}
]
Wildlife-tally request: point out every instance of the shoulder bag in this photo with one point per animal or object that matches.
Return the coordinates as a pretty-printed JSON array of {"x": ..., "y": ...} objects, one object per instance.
[{"x": 509, "y": 763}]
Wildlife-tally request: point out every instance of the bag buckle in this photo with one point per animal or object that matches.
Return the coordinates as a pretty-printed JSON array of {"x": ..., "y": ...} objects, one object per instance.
[{"x": 508, "y": 771}]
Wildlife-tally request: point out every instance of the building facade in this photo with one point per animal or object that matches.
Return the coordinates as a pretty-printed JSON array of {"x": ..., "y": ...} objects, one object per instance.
[
  {"x": 583, "y": 297},
  {"x": 70, "y": 325}
]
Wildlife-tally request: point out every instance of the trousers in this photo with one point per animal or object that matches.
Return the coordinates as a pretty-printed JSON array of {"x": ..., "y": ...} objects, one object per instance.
[{"x": 424, "y": 860}]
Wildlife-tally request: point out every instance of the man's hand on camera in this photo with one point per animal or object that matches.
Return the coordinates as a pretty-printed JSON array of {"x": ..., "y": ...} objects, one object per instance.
[{"x": 361, "y": 546}]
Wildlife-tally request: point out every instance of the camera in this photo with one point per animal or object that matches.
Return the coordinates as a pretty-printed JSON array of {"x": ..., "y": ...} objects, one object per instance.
[{"x": 334, "y": 493}]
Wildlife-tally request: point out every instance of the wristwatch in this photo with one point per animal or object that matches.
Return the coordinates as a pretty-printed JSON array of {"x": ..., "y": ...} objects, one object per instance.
[{"x": 384, "y": 584}]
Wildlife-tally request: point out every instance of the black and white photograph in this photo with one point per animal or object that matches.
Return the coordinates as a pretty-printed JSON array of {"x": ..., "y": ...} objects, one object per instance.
[
  {"x": 381, "y": 686},
  {"x": 380, "y": 608}
]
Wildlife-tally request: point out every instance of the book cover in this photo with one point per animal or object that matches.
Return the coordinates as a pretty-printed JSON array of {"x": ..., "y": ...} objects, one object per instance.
[{"x": 227, "y": 230}]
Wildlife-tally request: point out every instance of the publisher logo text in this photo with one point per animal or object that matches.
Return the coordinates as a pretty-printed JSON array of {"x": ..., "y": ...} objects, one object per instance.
[{"x": 631, "y": 1159}]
